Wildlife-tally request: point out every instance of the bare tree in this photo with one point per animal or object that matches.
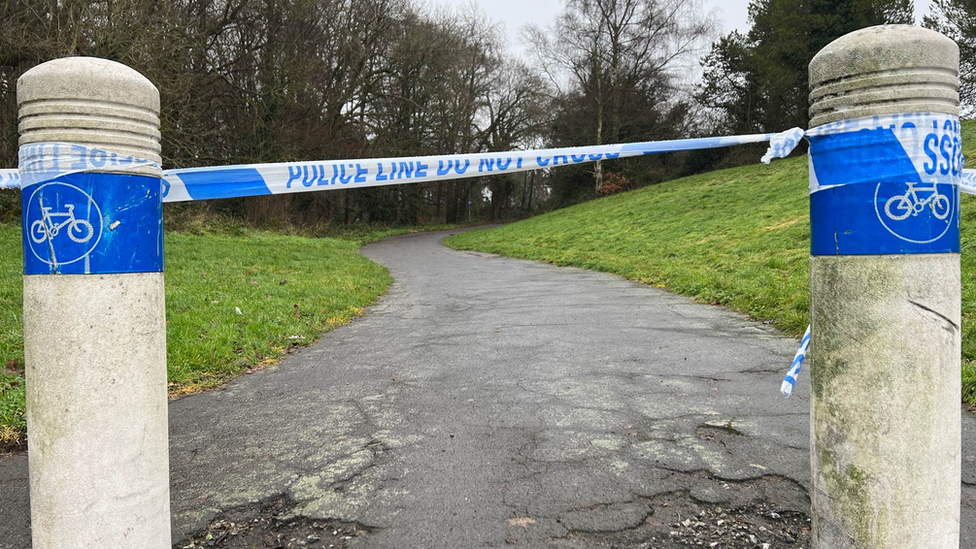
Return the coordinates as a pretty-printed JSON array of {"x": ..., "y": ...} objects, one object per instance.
[
  {"x": 605, "y": 47},
  {"x": 246, "y": 81}
]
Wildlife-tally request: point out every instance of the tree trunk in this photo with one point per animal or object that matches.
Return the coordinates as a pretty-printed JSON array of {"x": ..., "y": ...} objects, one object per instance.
[
  {"x": 598, "y": 166},
  {"x": 615, "y": 93},
  {"x": 439, "y": 200},
  {"x": 345, "y": 207},
  {"x": 450, "y": 206}
]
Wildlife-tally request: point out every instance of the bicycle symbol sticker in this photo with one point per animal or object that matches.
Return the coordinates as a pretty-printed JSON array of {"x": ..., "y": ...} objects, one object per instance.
[
  {"x": 64, "y": 224},
  {"x": 46, "y": 228},
  {"x": 915, "y": 212}
]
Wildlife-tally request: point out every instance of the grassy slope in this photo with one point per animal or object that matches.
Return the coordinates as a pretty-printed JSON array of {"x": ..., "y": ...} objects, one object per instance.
[
  {"x": 736, "y": 237},
  {"x": 285, "y": 286}
]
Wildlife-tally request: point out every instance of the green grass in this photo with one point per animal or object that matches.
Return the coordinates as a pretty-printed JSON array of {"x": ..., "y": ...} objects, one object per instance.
[
  {"x": 290, "y": 290},
  {"x": 12, "y": 420},
  {"x": 736, "y": 237}
]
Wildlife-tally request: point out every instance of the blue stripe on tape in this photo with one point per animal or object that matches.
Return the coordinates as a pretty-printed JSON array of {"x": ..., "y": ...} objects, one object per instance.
[
  {"x": 675, "y": 145},
  {"x": 223, "y": 183},
  {"x": 876, "y": 198},
  {"x": 93, "y": 223}
]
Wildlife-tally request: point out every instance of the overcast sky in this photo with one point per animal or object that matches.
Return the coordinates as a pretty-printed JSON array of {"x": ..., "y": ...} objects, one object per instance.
[
  {"x": 733, "y": 15},
  {"x": 515, "y": 14}
]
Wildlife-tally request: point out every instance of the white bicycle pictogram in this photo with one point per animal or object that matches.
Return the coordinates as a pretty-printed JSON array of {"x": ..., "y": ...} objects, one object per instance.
[
  {"x": 46, "y": 228},
  {"x": 899, "y": 207}
]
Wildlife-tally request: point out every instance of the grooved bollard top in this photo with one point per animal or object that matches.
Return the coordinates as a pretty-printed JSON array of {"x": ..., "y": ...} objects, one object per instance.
[
  {"x": 888, "y": 69},
  {"x": 93, "y": 102}
]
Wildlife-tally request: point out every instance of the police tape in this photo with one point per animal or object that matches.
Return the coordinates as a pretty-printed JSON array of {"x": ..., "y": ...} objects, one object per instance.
[
  {"x": 789, "y": 382},
  {"x": 898, "y": 147},
  {"x": 9, "y": 179},
  {"x": 911, "y": 163},
  {"x": 46, "y": 161}
]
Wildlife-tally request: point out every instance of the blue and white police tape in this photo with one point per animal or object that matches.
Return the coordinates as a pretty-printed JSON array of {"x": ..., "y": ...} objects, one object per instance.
[
  {"x": 295, "y": 177},
  {"x": 43, "y": 162},
  {"x": 46, "y": 161},
  {"x": 967, "y": 183},
  {"x": 9, "y": 179},
  {"x": 886, "y": 185},
  {"x": 782, "y": 144},
  {"x": 789, "y": 382}
]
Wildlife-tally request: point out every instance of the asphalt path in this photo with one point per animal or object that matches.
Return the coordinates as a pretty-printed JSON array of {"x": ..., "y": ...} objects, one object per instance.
[{"x": 492, "y": 402}]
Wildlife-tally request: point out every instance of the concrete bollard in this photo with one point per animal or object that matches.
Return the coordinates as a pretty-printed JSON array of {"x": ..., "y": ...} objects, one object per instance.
[
  {"x": 94, "y": 317},
  {"x": 885, "y": 291}
]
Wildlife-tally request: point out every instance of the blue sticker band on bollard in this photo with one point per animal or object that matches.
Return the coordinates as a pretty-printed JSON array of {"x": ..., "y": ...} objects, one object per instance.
[
  {"x": 93, "y": 223},
  {"x": 886, "y": 185}
]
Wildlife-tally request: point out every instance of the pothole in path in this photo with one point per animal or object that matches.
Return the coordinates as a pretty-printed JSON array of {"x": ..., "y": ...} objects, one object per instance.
[
  {"x": 764, "y": 513},
  {"x": 758, "y": 526},
  {"x": 270, "y": 524},
  {"x": 717, "y": 432}
]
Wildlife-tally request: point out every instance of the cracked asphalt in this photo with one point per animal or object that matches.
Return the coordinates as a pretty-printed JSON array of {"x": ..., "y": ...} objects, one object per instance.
[{"x": 492, "y": 402}]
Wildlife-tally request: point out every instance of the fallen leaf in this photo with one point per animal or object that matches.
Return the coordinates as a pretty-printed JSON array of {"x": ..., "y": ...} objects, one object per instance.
[{"x": 524, "y": 522}]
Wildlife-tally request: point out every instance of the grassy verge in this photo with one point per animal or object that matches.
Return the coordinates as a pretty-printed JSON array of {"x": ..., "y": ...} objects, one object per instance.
[
  {"x": 737, "y": 237},
  {"x": 289, "y": 290}
]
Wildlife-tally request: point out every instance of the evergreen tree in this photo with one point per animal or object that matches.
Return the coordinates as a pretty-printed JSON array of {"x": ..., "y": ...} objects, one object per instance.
[
  {"x": 730, "y": 84},
  {"x": 758, "y": 81}
]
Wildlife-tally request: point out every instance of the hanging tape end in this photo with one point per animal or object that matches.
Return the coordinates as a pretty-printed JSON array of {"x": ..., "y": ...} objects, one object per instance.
[
  {"x": 782, "y": 144},
  {"x": 786, "y": 388}
]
